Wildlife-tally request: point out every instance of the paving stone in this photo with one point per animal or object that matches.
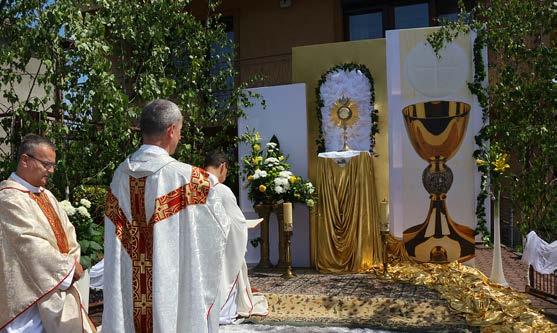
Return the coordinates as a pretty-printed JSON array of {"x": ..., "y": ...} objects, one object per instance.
[{"x": 370, "y": 286}]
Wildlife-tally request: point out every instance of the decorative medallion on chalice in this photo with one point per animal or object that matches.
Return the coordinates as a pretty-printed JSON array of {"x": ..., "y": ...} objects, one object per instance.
[
  {"x": 344, "y": 114},
  {"x": 436, "y": 130}
]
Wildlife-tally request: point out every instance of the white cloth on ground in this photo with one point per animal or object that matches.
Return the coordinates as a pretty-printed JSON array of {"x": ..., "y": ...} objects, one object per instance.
[
  {"x": 539, "y": 254},
  {"x": 96, "y": 273}
]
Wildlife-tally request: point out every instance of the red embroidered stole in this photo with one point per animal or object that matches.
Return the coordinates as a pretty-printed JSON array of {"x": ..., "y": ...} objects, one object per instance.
[
  {"x": 45, "y": 204},
  {"x": 137, "y": 237}
]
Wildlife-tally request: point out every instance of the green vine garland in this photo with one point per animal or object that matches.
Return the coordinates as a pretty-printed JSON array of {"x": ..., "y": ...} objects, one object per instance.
[
  {"x": 374, "y": 113},
  {"x": 438, "y": 41},
  {"x": 477, "y": 89}
]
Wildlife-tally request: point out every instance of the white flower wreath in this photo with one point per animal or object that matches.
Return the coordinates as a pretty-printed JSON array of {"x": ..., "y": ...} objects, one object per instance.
[{"x": 352, "y": 84}]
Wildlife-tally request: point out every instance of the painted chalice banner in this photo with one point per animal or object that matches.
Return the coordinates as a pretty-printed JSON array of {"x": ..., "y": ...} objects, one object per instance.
[{"x": 436, "y": 130}]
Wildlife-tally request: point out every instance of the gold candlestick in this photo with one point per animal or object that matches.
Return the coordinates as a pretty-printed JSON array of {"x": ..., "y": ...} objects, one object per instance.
[
  {"x": 384, "y": 226},
  {"x": 287, "y": 223},
  {"x": 385, "y": 240},
  {"x": 279, "y": 211}
]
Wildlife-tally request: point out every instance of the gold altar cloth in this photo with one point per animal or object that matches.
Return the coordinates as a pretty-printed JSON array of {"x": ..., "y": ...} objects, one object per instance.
[
  {"x": 346, "y": 236},
  {"x": 471, "y": 294}
]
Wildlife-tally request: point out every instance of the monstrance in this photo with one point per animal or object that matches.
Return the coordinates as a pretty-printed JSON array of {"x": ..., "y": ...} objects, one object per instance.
[{"x": 344, "y": 114}]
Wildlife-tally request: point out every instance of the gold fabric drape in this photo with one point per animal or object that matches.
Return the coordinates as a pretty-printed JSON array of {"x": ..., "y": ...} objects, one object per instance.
[
  {"x": 345, "y": 235},
  {"x": 470, "y": 293}
]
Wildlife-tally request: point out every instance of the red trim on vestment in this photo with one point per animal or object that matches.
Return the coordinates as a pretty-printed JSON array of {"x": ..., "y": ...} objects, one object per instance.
[
  {"x": 38, "y": 299},
  {"x": 209, "y": 311},
  {"x": 81, "y": 308},
  {"x": 250, "y": 302},
  {"x": 115, "y": 213},
  {"x": 230, "y": 292},
  {"x": 193, "y": 193}
]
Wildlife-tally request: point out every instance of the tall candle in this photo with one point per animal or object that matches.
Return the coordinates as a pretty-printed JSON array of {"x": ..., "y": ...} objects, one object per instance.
[
  {"x": 287, "y": 215},
  {"x": 384, "y": 215}
]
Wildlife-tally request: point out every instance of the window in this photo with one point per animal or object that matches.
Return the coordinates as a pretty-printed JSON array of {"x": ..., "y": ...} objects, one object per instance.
[
  {"x": 365, "y": 26},
  {"x": 451, "y": 17},
  {"x": 221, "y": 52},
  {"x": 412, "y": 16},
  {"x": 447, "y": 10},
  {"x": 364, "y": 19}
]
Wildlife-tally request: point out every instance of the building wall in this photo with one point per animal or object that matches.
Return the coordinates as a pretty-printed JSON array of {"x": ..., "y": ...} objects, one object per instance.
[
  {"x": 265, "y": 33},
  {"x": 22, "y": 90}
]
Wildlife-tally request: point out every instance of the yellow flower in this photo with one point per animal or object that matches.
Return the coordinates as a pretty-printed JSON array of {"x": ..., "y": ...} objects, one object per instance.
[
  {"x": 250, "y": 178},
  {"x": 501, "y": 163},
  {"x": 262, "y": 188},
  {"x": 292, "y": 179},
  {"x": 259, "y": 158},
  {"x": 281, "y": 158},
  {"x": 481, "y": 162},
  {"x": 256, "y": 147}
]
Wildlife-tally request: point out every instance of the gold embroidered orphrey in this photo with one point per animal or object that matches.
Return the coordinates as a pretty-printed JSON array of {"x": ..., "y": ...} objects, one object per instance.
[
  {"x": 46, "y": 207},
  {"x": 137, "y": 237}
]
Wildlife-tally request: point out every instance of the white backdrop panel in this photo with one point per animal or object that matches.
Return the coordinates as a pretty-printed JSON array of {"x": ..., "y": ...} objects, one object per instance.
[
  {"x": 284, "y": 116},
  {"x": 409, "y": 199}
]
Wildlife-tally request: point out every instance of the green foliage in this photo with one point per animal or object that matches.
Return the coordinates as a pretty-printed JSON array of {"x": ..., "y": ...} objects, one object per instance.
[
  {"x": 96, "y": 194},
  {"x": 89, "y": 234},
  {"x": 374, "y": 113},
  {"x": 91, "y": 66},
  {"x": 492, "y": 163},
  {"x": 519, "y": 104},
  {"x": 268, "y": 177}
]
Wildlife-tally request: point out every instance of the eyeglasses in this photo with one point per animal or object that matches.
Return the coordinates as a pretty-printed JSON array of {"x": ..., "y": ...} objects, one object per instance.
[{"x": 45, "y": 164}]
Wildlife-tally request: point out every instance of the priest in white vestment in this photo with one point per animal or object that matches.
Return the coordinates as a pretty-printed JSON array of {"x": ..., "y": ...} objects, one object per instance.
[
  {"x": 39, "y": 253},
  {"x": 235, "y": 293},
  {"x": 165, "y": 233}
]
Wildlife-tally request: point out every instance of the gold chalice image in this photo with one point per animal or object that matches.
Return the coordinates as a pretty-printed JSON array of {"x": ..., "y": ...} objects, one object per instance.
[{"x": 436, "y": 130}]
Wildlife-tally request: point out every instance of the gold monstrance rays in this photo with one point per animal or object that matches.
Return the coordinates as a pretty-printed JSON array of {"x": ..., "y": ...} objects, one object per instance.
[{"x": 344, "y": 114}]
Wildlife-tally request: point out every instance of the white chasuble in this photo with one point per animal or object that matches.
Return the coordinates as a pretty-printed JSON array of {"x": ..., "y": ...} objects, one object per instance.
[
  {"x": 165, "y": 232},
  {"x": 236, "y": 295},
  {"x": 38, "y": 251}
]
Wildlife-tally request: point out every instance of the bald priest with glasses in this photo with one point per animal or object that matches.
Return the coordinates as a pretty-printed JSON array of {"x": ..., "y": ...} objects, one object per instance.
[{"x": 39, "y": 253}]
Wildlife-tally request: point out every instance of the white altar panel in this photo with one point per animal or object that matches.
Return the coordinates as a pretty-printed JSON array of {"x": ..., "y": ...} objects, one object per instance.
[
  {"x": 284, "y": 116},
  {"x": 415, "y": 75}
]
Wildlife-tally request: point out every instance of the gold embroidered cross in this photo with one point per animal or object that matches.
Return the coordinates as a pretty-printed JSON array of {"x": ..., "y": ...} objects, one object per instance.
[
  {"x": 143, "y": 304},
  {"x": 143, "y": 263}
]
